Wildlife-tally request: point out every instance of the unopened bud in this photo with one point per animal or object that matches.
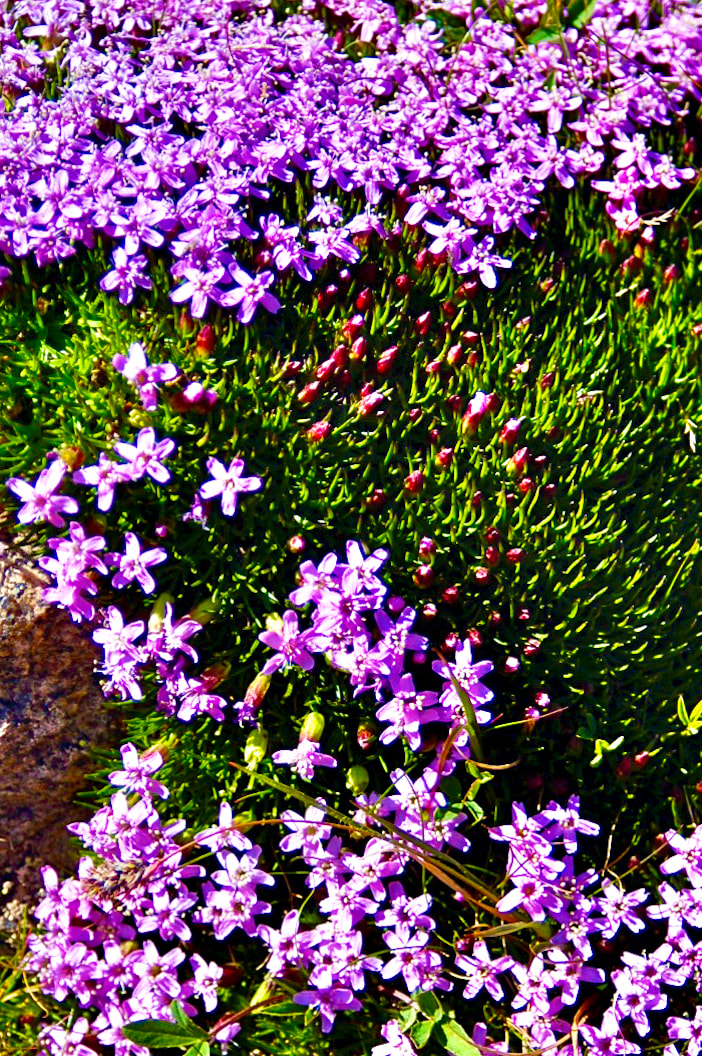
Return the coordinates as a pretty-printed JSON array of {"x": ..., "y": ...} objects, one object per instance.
[
  {"x": 366, "y": 733},
  {"x": 376, "y": 500},
  {"x": 352, "y": 327},
  {"x": 516, "y": 555},
  {"x": 414, "y": 482},
  {"x": 204, "y": 611},
  {"x": 644, "y": 298},
  {"x": 364, "y": 299},
  {"x": 482, "y": 576},
  {"x": 312, "y": 727},
  {"x": 451, "y": 595},
  {"x": 357, "y": 779},
  {"x": 318, "y": 432},
  {"x": 296, "y": 544},
  {"x": 424, "y": 576},
  {"x": 358, "y": 349},
  {"x": 256, "y": 692},
  {"x": 403, "y": 283},
  {"x": 444, "y": 457},
  {"x": 422, "y": 324},
  {"x": 255, "y": 747},
  {"x": 158, "y": 611},
  {"x": 205, "y": 340},
  {"x": 426, "y": 548},
  {"x": 309, "y": 393}
]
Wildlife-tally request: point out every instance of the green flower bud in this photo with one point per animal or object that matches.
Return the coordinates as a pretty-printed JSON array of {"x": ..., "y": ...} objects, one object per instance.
[
  {"x": 253, "y": 697},
  {"x": 256, "y": 746},
  {"x": 357, "y": 779},
  {"x": 263, "y": 992},
  {"x": 158, "y": 612},
  {"x": 312, "y": 727},
  {"x": 204, "y": 611}
]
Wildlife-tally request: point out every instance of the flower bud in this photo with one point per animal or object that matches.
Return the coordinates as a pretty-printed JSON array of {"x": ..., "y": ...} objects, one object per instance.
[
  {"x": 492, "y": 556},
  {"x": 340, "y": 356},
  {"x": 467, "y": 290},
  {"x": 376, "y": 500},
  {"x": 309, "y": 393},
  {"x": 672, "y": 274},
  {"x": 396, "y": 604},
  {"x": 366, "y": 733},
  {"x": 474, "y": 637},
  {"x": 508, "y": 433},
  {"x": 548, "y": 379},
  {"x": 422, "y": 324},
  {"x": 296, "y": 544},
  {"x": 403, "y": 283},
  {"x": 516, "y": 465},
  {"x": 454, "y": 356},
  {"x": 451, "y": 595},
  {"x": 204, "y": 611},
  {"x": 369, "y": 403},
  {"x": 352, "y": 327},
  {"x": 606, "y": 247},
  {"x": 364, "y": 299},
  {"x": 422, "y": 259},
  {"x": 482, "y": 576},
  {"x": 72, "y": 456},
  {"x": 644, "y": 298},
  {"x": 532, "y": 647},
  {"x": 358, "y": 349},
  {"x": 429, "y": 610},
  {"x": 386, "y": 360},
  {"x": 318, "y": 432},
  {"x": 526, "y": 485},
  {"x": 256, "y": 692},
  {"x": 444, "y": 457},
  {"x": 158, "y": 611},
  {"x": 424, "y": 576},
  {"x": 624, "y": 767},
  {"x": 414, "y": 482},
  {"x": 641, "y": 760},
  {"x": 426, "y": 548},
  {"x": 325, "y": 370},
  {"x": 357, "y": 778},
  {"x": 515, "y": 555},
  {"x": 205, "y": 340},
  {"x": 255, "y": 747},
  {"x": 312, "y": 727},
  {"x": 434, "y": 367},
  {"x": 215, "y": 673}
]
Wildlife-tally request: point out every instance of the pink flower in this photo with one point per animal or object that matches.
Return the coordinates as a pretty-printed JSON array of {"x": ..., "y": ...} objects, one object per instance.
[
  {"x": 40, "y": 501},
  {"x": 228, "y": 483}
]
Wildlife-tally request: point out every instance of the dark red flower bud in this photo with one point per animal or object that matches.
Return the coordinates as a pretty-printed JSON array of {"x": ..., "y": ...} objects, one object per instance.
[
  {"x": 429, "y": 611},
  {"x": 414, "y": 414},
  {"x": 422, "y": 259},
  {"x": 364, "y": 300},
  {"x": 358, "y": 350},
  {"x": 477, "y": 499},
  {"x": 376, "y": 500},
  {"x": 205, "y": 340},
  {"x": 607, "y": 248},
  {"x": 449, "y": 309},
  {"x": 644, "y": 298},
  {"x": 671, "y": 274},
  {"x": 624, "y": 767},
  {"x": 296, "y": 544},
  {"x": 454, "y": 403},
  {"x": 473, "y": 359},
  {"x": 548, "y": 379},
  {"x": 641, "y": 760},
  {"x": 434, "y": 367},
  {"x": 340, "y": 355},
  {"x": 309, "y": 393},
  {"x": 470, "y": 338},
  {"x": 318, "y": 432},
  {"x": 454, "y": 355},
  {"x": 495, "y": 619},
  {"x": 482, "y": 576},
  {"x": 511, "y": 665},
  {"x": 444, "y": 457},
  {"x": 475, "y": 637},
  {"x": 352, "y": 327},
  {"x": 424, "y": 576},
  {"x": 414, "y": 482},
  {"x": 403, "y": 283},
  {"x": 325, "y": 370},
  {"x": 631, "y": 266},
  {"x": 516, "y": 555},
  {"x": 532, "y": 647},
  {"x": 386, "y": 360},
  {"x": 493, "y": 534},
  {"x": 366, "y": 733},
  {"x": 526, "y": 485},
  {"x": 434, "y": 435},
  {"x": 492, "y": 556},
  {"x": 451, "y": 595},
  {"x": 422, "y": 324},
  {"x": 467, "y": 290}
]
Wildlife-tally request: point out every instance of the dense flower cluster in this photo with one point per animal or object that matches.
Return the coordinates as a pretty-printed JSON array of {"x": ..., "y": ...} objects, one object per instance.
[{"x": 175, "y": 126}]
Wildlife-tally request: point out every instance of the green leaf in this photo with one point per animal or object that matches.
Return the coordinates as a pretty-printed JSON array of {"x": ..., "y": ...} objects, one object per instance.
[
  {"x": 429, "y": 1004},
  {"x": 185, "y": 1022},
  {"x": 200, "y": 1048},
  {"x": 156, "y": 1034},
  {"x": 421, "y": 1032},
  {"x": 455, "y": 1040}
]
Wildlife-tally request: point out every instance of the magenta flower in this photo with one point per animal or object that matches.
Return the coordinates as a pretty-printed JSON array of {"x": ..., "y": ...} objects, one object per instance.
[
  {"x": 104, "y": 476},
  {"x": 228, "y": 483},
  {"x": 40, "y": 501},
  {"x": 146, "y": 456},
  {"x": 249, "y": 294},
  {"x": 134, "y": 565}
]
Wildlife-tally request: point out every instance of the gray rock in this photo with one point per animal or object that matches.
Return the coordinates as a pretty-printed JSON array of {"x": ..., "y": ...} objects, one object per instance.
[{"x": 51, "y": 712}]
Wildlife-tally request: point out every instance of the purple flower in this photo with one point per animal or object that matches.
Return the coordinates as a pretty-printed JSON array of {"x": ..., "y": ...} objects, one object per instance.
[
  {"x": 145, "y": 378},
  {"x": 249, "y": 294},
  {"x": 228, "y": 483},
  {"x": 304, "y": 758},
  {"x": 329, "y": 1001},
  {"x": 466, "y": 675},
  {"x": 290, "y": 643},
  {"x": 133, "y": 564},
  {"x": 398, "y": 1044},
  {"x": 104, "y": 476},
  {"x": 41, "y": 503},
  {"x": 146, "y": 456},
  {"x": 127, "y": 273},
  {"x": 482, "y": 971}
]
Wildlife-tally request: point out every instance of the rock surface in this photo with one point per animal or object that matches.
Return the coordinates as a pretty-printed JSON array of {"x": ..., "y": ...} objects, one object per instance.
[{"x": 51, "y": 712}]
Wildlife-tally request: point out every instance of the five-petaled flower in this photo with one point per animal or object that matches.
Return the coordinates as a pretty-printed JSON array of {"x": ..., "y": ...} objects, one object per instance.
[{"x": 228, "y": 483}]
